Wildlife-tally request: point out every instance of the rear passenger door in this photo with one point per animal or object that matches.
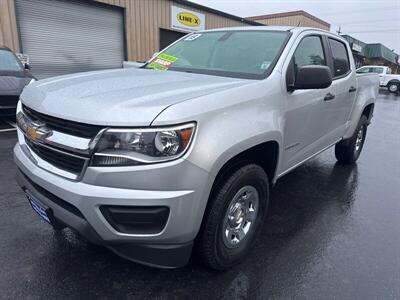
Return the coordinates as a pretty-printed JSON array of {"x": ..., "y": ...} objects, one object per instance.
[{"x": 343, "y": 88}]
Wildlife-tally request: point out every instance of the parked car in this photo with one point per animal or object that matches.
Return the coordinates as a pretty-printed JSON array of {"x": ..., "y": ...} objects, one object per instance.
[
  {"x": 386, "y": 78},
  {"x": 13, "y": 78},
  {"x": 184, "y": 151}
]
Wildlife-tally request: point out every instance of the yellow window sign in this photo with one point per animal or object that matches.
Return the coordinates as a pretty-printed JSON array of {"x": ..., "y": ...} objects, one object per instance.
[{"x": 187, "y": 20}]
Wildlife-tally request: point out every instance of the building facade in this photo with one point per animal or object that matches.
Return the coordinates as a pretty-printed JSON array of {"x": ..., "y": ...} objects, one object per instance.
[
  {"x": 358, "y": 50},
  {"x": 292, "y": 18},
  {"x": 373, "y": 54},
  {"x": 62, "y": 37}
]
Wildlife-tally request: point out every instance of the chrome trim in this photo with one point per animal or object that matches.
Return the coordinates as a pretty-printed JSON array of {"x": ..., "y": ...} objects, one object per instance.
[
  {"x": 46, "y": 165},
  {"x": 55, "y": 141},
  {"x": 55, "y": 149},
  {"x": 137, "y": 159},
  {"x": 303, "y": 161},
  {"x": 154, "y": 129},
  {"x": 68, "y": 142},
  {"x": 55, "y": 138}
]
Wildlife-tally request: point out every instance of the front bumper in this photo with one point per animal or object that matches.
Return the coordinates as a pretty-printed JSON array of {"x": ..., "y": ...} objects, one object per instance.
[{"x": 125, "y": 187}]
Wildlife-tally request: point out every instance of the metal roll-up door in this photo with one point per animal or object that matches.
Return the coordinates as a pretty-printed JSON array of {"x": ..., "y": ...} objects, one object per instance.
[{"x": 63, "y": 37}]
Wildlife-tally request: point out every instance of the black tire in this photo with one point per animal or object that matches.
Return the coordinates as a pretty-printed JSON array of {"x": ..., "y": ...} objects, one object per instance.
[
  {"x": 348, "y": 151},
  {"x": 393, "y": 87},
  {"x": 212, "y": 244}
]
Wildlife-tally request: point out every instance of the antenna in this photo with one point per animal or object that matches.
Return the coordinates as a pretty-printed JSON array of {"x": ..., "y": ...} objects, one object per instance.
[{"x": 339, "y": 31}]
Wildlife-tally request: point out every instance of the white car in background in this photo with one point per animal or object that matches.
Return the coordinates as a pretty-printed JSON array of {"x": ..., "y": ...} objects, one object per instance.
[{"x": 386, "y": 78}]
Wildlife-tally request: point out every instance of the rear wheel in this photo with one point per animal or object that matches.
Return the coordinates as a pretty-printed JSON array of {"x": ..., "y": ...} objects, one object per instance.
[
  {"x": 393, "y": 87},
  {"x": 236, "y": 212},
  {"x": 348, "y": 151}
]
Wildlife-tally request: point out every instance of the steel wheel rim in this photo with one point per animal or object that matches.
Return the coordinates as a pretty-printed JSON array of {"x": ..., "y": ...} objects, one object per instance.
[
  {"x": 359, "y": 139},
  {"x": 240, "y": 216},
  {"x": 393, "y": 88}
]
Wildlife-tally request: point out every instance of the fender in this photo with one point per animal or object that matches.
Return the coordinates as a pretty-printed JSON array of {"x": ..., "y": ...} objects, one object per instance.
[
  {"x": 368, "y": 88},
  {"x": 393, "y": 81}
]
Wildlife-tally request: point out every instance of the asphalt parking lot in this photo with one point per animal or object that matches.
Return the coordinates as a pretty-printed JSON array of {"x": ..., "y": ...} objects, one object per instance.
[
  {"x": 7, "y": 124},
  {"x": 333, "y": 232}
]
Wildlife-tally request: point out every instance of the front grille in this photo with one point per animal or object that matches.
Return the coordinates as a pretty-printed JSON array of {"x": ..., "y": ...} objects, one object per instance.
[
  {"x": 8, "y": 100},
  {"x": 58, "y": 159},
  {"x": 64, "y": 126}
]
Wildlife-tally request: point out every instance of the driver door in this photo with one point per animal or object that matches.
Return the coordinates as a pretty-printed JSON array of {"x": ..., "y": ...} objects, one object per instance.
[{"x": 305, "y": 109}]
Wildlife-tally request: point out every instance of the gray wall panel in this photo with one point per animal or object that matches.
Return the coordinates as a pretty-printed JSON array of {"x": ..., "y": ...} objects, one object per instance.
[{"x": 63, "y": 37}]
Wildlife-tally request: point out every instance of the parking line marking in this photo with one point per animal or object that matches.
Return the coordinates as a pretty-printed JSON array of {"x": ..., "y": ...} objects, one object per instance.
[
  {"x": 8, "y": 129},
  {"x": 12, "y": 124}
]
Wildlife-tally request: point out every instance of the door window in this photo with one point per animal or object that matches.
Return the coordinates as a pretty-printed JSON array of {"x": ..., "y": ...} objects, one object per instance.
[
  {"x": 309, "y": 52},
  {"x": 341, "y": 63}
]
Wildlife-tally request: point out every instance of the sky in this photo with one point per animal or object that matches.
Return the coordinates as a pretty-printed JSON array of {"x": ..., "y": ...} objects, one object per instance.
[{"x": 370, "y": 21}]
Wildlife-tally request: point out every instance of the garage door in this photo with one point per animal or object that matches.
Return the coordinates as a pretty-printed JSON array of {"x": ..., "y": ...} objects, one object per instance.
[{"x": 63, "y": 37}]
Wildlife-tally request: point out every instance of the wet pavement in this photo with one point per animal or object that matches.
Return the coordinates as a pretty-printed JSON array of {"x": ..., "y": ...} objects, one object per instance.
[
  {"x": 7, "y": 124},
  {"x": 333, "y": 232}
]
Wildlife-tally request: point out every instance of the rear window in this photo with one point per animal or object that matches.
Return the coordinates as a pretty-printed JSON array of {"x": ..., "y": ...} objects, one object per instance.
[
  {"x": 377, "y": 70},
  {"x": 341, "y": 63}
]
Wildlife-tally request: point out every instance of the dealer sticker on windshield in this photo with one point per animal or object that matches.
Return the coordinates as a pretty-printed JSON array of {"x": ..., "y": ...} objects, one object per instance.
[
  {"x": 192, "y": 37},
  {"x": 265, "y": 65},
  {"x": 163, "y": 62}
]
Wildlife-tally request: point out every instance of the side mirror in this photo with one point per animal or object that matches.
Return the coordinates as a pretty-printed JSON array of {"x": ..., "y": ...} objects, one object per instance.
[
  {"x": 312, "y": 77},
  {"x": 27, "y": 67}
]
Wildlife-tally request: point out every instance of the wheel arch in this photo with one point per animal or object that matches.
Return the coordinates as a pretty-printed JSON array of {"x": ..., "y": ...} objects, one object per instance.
[
  {"x": 396, "y": 81},
  {"x": 368, "y": 111},
  {"x": 265, "y": 154}
]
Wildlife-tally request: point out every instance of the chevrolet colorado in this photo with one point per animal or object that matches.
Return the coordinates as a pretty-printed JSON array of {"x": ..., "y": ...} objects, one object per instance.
[{"x": 184, "y": 150}]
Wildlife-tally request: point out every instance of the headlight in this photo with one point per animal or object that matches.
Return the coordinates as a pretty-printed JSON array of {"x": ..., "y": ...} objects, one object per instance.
[{"x": 130, "y": 147}]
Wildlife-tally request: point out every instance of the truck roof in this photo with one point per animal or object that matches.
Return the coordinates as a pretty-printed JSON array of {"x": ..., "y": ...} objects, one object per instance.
[{"x": 275, "y": 28}]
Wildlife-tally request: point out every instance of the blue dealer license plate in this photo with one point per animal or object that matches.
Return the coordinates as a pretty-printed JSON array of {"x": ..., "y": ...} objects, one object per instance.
[{"x": 38, "y": 207}]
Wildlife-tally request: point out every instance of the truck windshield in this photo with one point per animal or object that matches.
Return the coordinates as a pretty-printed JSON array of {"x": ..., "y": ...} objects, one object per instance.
[
  {"x": 8, "y": 61},
  {"x": 241, "y": 54}
]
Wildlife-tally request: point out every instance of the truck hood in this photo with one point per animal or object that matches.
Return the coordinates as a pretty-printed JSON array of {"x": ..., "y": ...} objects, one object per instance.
[{"x": 123, "y": 97}]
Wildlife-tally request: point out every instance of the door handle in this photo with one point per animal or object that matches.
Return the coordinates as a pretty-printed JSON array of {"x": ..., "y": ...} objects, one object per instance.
[
  {"x": 329, "y": 97},
  {"x": 352, "y": 89}
]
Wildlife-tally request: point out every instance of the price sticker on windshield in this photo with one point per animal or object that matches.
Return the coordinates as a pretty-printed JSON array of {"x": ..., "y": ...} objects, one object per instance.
[{"x": 162, "y": 62}]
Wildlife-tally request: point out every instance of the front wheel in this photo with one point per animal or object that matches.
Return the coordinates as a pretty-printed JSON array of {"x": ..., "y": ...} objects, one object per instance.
[
  {"x": 233, "y": 219},
  {"x": 393, "y": 87},
  {"x": 348, "y": 151}
]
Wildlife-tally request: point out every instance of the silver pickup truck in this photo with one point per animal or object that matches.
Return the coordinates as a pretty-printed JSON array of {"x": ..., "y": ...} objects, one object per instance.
[{"x": 184, "y": 151}]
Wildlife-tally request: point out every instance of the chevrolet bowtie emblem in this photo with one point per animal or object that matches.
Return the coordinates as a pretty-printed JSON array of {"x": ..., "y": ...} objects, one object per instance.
[{"x": 37, "y": 133}]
